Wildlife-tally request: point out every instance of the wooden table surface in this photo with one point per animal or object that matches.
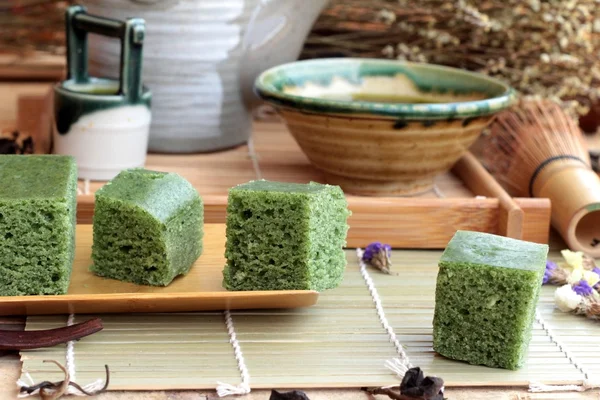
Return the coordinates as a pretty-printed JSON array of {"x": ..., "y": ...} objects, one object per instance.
[{"x": 10, "y": 365}]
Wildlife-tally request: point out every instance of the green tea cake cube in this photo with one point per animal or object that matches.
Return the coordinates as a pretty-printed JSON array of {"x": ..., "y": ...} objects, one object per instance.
[
  {"x": 148, "y": 227},
  {"x": 38, "y": 201},
  {"x": 285, "y": 236},
  {"x": 486, "y": 294}
]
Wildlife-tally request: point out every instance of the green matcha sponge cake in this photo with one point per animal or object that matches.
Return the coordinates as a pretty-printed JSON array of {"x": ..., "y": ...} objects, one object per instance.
[
  {"x": 148, "y": 227},
  {"x": 486, "y": 294},
  {"x": 38, "y": 200},
  {"x": 285, "y": 236}
]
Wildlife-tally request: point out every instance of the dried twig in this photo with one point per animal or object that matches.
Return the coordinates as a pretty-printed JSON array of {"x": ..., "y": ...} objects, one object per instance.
[
  {"x": 390, "y": 393},
  {"x": 54, "y": 390}
]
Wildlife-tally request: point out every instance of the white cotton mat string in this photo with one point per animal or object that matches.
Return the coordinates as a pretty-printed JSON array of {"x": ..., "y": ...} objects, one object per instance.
[
  {"x": 397, "y": 365},
  {"x": 30, "y": 382},
  {"x": 254, "y": 157},
  {"x": 438, "y": 192},
  {"x": 86, "y": 187},
  {"x": 225, "y": 389},
  {"x": 70, "y": 367},
  {"x": 589, "y": 382},
  {"x": 70, "y": 356}
]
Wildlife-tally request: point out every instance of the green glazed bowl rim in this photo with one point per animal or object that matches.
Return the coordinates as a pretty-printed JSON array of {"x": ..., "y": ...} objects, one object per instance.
[{"x": 265, "y": 88}]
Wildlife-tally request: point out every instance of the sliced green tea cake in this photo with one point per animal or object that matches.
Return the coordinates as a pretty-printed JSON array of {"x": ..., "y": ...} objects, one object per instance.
[
  {"x": 285, "y": 236},
  {"x": 486, "y": 293},
  {"x": 38, "y": 200},
  {"x": 148, "y": 227}
]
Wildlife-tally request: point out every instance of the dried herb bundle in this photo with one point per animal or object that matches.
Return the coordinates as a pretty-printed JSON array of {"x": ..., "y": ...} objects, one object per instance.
[
  {"x": 27, "y": 26},
  {"x": 545, "y": 48}
]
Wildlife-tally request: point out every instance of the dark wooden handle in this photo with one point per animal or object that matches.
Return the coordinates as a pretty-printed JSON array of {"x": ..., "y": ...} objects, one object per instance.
[{"x": 25, "y": 340}]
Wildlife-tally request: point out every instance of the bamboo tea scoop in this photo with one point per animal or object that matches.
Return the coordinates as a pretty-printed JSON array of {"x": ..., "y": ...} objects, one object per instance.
[{"x": 26, "y": 340}]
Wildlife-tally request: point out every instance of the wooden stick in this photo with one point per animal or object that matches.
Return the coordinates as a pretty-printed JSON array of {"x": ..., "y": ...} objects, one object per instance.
[{"x": 475, "y": 176}]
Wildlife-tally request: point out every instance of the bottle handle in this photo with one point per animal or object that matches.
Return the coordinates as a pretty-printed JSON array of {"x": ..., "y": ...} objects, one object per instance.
[{"x": 131, "y": 34}]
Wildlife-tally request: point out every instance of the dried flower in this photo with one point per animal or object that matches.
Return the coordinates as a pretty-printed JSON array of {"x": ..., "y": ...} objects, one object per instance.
[
  {"x": 590, "y": 307},
  {"x": 589, "y": 263},
  {"x": 550, "y": 268},
  {"x": 379, "y": 256},
  {"x": 575, "y": 276},
  {"x": 591, "y": 277},
  {"x": 583, "y": 288},
  {"x": 386, "y": 16},
  {"x": 579, "y": 278},
  {"x": 573, "y": 258},
  {"x": 566, "y": 299}
]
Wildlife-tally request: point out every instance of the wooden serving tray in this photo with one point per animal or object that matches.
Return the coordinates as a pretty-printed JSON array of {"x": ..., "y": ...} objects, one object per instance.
[
  {"x": 426, "y": 221},
  {"x": 199, "y": 290}
]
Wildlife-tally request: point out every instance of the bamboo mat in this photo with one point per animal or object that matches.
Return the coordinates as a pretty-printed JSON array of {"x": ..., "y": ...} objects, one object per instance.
[{"x": 339, "y": 342}]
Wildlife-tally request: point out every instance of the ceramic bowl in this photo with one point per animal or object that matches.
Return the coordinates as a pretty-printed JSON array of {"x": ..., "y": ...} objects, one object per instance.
[{"x": 382, "y": 127}]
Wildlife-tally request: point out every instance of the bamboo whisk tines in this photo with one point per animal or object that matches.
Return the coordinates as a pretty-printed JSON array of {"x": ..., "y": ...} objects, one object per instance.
[
  {"x": 537, "y": 150},
  {"x": 523, "y": 140}
]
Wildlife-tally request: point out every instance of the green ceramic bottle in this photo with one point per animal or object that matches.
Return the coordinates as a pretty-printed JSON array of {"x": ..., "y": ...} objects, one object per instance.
[{"x": 103, "y": 123}]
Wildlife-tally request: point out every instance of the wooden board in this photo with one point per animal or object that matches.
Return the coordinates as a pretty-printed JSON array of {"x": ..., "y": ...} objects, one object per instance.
[
  {"x": 200, "y": 290},
  {"x": 426, "y": 221},
  {"x": 39, "y": 66},
  {"x": 339, "y": 342}
]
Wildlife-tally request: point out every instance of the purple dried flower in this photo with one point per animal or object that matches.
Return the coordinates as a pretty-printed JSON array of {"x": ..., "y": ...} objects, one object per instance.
[
  {"x": 583, "y": 288},
  {"x": 373, "y": 249},
  {"x": 596, "y": 270},
  {"x": 550, "y": 267},
  {"x": 378, "y": 255}
]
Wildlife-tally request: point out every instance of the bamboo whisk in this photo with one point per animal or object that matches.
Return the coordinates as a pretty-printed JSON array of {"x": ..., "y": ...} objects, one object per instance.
[{"x": 536, "y": 150}]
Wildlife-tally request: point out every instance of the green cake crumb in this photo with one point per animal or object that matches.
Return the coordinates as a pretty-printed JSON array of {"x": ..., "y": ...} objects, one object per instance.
[
  {"x": 38, "y": 201},
  {"x": 285, "y": 236},
  {"x": 486, "y": 294},
  {"x": 148, "y": 227}
]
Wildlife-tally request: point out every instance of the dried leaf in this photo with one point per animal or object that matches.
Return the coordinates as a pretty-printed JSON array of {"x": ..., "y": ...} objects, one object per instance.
[
  {"x": 414, "y": 386},
  {"x": 293, "y": 395}
]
